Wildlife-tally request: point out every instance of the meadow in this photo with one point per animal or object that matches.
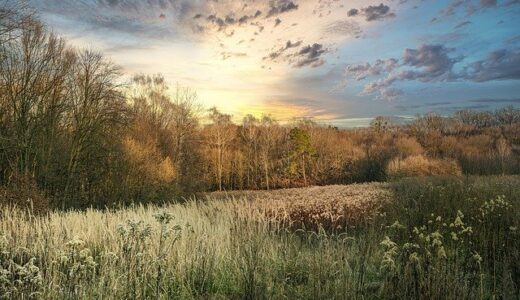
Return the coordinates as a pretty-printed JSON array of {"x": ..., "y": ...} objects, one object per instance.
[{"x": 429, "y": 238}]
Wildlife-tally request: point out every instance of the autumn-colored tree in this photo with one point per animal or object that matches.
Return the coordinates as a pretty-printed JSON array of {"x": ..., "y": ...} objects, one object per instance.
[
  {"x": 301, "y": 151},
  {"x": 221, "y": 132}
]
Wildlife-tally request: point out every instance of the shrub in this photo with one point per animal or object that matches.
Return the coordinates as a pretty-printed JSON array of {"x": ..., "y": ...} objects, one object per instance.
[
  {"x": 420, "y": 165},
  {"x": 23, "y": 192}
]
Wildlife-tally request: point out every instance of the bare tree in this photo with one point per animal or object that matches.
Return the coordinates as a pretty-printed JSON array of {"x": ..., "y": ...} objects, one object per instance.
[
  {"x": 32, "y": 76},
  {"x": 269, "y": 132},
  {"x": 95, "y": 107},
  {"x": 221, "y": 133},
  {"x": 13, "y": 15}
]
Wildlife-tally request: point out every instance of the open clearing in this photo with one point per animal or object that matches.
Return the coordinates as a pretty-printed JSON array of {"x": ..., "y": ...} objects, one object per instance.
[{"x": 449, "y": 238}]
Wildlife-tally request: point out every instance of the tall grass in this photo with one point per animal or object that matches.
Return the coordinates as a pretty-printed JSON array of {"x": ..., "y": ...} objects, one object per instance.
[
  {"x": 454, "y": 238},
  {"x": 236, "y": 249}
]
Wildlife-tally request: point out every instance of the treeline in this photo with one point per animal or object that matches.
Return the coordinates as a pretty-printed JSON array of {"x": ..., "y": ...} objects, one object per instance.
[{"x": 73, "y": 133}]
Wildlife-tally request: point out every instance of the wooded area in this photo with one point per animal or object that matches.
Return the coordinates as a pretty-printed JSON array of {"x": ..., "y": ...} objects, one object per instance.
[{"x": 73, "y": 133}]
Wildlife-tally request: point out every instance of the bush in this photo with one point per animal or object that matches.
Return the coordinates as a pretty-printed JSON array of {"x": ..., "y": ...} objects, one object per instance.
[
  {"x": 23, "y": 192},
  {"x": 419, "y": 165}
]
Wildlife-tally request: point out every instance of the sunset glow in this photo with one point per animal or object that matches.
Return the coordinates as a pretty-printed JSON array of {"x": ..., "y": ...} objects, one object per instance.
[{"x": 330, "y": 60}]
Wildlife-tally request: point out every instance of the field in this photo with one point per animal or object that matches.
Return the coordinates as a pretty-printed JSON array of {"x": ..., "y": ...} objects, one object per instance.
[{"x": 436, "y": 238}]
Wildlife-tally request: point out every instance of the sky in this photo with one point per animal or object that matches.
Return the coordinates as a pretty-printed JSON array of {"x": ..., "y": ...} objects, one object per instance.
[{"x": 341, "y": 62}]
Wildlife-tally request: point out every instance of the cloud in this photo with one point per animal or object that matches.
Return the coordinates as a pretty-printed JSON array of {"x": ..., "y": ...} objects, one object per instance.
[
  {"x": 343, "y": 28},
  {"x": 310, "y": 56},
  {"x": 434, "y": 63},
  {"x": 372, "y": 12},
  {"x": 462, "y": 24},
  {"x": 501, "y": 64},
  {"x": 226, "y": 55},
  {"x": 378, "y": 12},
  {"x": 471, "y": 7},
  {"x": 275, "y": 54},
  {"x": 390, "y": 93},
  {"x": 353, "y": 12},
  {"x": 280, "y": 6},
  {"x": 427, "y": 63},
  {"x": 362, "y": 71}
]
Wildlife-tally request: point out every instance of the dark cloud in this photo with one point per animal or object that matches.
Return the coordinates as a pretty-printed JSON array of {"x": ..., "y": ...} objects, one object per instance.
[
  {"x": 310, "y": 56},
  {"x": 501, "y": 64},
  {"x": 353, "y": 12},
  {"x": 275, "y": 54},
  {"x": 244, "y": 19},
  {"x": 230, "y": 20},
  {"x": 426, "y": 64},
  {"x": 277, "y": 7},
  {"x": 373, "y": 13},
  {"x": 432, "y": 61}
]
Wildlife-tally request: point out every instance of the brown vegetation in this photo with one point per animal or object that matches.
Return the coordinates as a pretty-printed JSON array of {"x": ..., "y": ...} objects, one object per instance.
[
  {"x": 327, "y": 207},
  {"x": 82, "y": 138},
  {"x": 419, "y": 165}
]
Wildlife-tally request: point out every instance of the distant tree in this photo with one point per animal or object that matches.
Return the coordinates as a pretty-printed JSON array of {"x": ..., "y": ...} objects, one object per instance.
[
  {"x": 269, "y": 133},
  {"x": 508, "y": 115},
  {"x": 301, "y": 150},
  {"x": 184, "y": 130},
  {"x": 249, "y": 137},
  {"x": 33, "y": 72},
  {"x": 96, "y": 108},
  {"x": 14, "y": 14},
  {"x": 474, "y": 118},
  {"x": 221, "y": 133},
  {"x": 381, "y": 124}
]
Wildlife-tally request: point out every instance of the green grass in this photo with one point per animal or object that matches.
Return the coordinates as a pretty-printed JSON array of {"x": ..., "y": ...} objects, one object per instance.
[{"x": 229, "y": 249}]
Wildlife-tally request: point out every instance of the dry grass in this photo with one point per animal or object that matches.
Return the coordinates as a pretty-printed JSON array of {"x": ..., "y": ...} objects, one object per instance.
[
  {"x": 419, "y": 165},
  {"x": 334, "y": 207},
  {"x": 236, "y": 246}
]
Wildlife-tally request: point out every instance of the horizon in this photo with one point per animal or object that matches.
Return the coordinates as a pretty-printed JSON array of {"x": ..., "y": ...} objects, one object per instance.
[{"x": 338, "y": 62}]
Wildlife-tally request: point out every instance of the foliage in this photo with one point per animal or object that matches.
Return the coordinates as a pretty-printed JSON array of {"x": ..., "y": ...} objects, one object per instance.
[{"x": 422, "y": 166}]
